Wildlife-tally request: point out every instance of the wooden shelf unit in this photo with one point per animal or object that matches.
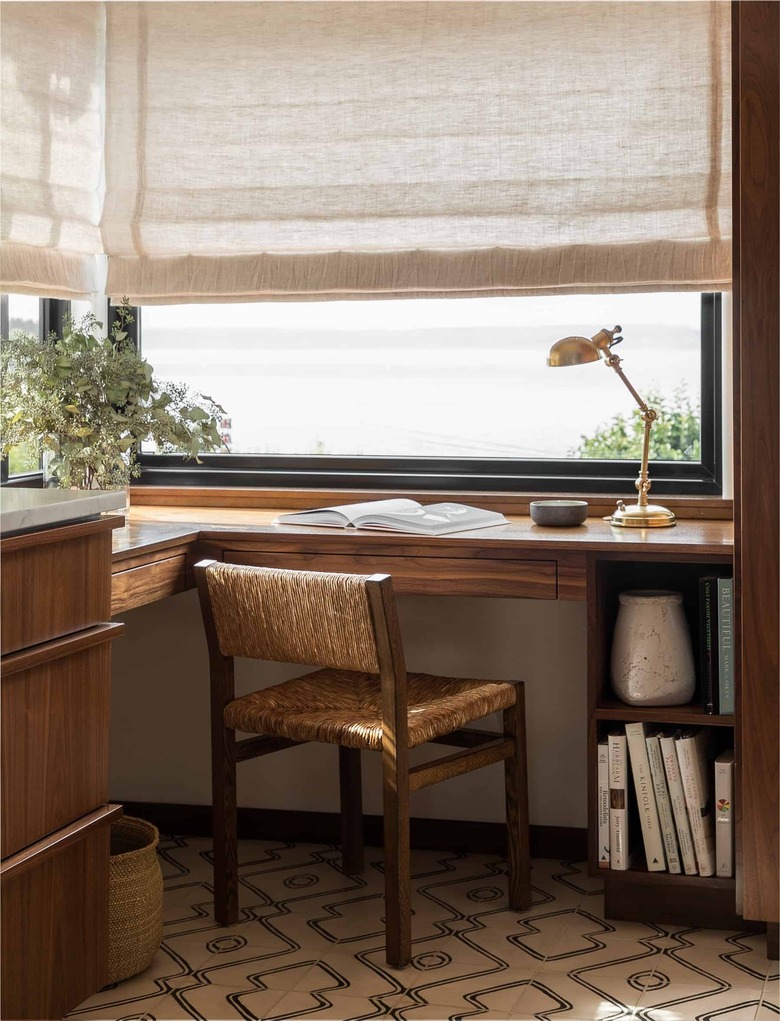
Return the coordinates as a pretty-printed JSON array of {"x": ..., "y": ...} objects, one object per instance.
[{"x": 637, "y": 894}]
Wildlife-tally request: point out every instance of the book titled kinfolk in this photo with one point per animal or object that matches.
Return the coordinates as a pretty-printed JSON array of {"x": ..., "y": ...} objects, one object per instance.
[
  {"x": 662, "y": 801},
  {"x": 603, "y": 803},
  {"x": 645, "y": 797},
  {"x": 725, "y": 646},
  {"x": 619, "y": 857},
  {"x": 677, "y": 799},
  {"x": 398, "y": 516},
  {"x": 724, "y": 814},
  {"x": 695, "y": 768}
]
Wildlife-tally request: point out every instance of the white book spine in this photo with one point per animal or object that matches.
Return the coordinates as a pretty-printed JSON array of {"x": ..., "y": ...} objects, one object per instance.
[
  {"x": 603, "y": 803},
  {"x": 679, "y": 810},
  {"x": 645, "y": 796},
  {"x": 618, "y": 814},
  {"x": 724, "y": 814},
  {"x": 694, "y": 773},
  {"x": 663, "y": 803}
]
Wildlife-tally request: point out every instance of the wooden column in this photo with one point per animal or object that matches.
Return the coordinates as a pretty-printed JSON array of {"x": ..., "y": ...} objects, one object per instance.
[{"x": 757, "y": 446}]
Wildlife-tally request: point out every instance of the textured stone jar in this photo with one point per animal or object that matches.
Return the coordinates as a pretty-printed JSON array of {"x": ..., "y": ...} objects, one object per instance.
[{"x": 652, "y": 659}]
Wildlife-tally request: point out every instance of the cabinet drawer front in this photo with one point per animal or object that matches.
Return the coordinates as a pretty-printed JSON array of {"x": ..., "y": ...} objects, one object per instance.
[
  {"x": 55, "y": 722},
  {"x": 54, "y": 589},
  {"x": 148, "y": 583},
  {"x": 55, "y": 927},
  {"x": 534, "y": 579}
]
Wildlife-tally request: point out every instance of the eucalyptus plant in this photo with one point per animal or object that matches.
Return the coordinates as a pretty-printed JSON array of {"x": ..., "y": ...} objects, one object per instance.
[{"x": 90, "y": 401}]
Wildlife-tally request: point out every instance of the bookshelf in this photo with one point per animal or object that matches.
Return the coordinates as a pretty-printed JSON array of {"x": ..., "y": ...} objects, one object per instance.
[{"x": 636, "y": 893}]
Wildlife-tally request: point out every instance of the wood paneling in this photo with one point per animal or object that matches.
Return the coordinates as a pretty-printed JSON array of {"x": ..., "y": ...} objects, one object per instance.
[
  {"x": 154, "y": 580},
  {"x": 55, "y": 722},
  {"x": 55, "y": 586},
  {"x": 532, "y": 579},
  {"x": 757, "y": 214},
  {"x": 702, "y": 507},
  {"x": 58, "y": 955}
]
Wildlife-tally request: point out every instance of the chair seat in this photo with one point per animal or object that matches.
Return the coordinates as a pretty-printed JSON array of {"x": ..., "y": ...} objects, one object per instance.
[{"x": 344, "y": 708}]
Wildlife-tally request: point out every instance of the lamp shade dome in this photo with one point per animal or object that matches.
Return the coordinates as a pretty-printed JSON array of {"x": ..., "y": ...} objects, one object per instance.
[{"x": 573, "y": 351}]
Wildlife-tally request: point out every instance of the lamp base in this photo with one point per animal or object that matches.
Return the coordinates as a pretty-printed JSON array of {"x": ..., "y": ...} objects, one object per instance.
[{"x": 651, "y": 516}]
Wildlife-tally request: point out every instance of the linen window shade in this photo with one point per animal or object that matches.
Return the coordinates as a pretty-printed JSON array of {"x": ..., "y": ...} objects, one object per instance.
[
  {"x": 51, "y": 151},
  {"x": 312, "y": 150}
]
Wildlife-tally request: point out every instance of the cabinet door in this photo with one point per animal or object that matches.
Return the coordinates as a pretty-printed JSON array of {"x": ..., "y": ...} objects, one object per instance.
[{"x": 55, "y": 921}]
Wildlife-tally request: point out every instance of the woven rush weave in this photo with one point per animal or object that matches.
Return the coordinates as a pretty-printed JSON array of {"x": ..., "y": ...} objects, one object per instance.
[
  {"x": 135, "y": 898},
  {"x": 341, "y": 707},
  {"x": 293, "y": 617}
]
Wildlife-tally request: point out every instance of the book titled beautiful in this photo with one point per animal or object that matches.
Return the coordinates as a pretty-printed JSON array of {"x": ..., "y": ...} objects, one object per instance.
[{"x": 398, "y": 516}]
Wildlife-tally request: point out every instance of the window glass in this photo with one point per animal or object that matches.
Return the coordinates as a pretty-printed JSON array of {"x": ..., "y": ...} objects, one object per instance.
[
  {"x": 438, "y": 377},
  {"x": 21, "y": 312}
]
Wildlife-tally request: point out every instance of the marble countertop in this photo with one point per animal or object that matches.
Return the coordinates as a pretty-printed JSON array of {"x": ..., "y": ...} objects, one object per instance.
[{"x": 23, "y": 510}]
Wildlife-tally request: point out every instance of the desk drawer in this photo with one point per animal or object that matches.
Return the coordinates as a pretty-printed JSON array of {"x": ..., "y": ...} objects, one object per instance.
[
  {"x": 55, "y": 722},
  {"x": 454, "y": 576},
  {"x": 148, "y": 583}
]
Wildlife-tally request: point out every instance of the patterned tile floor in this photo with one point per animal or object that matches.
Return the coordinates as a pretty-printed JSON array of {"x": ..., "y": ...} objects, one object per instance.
[{"x": 310, "y": 945}]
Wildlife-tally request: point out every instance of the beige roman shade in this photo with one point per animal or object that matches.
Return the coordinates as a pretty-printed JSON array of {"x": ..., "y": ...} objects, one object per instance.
[
  {"x": 308, "y": 150},
  {"x": 51, "y": 150}
]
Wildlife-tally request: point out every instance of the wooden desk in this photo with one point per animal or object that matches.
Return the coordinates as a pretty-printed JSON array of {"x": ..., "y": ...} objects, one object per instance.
[{"x": 154, "y": 554}]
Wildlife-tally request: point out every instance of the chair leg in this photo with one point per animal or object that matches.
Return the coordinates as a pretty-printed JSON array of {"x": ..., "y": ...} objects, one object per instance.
[
  {"x": 516, "y": 781},
  {"x": 350, "y": 786},
  {"x": 398, "y": 920},
  {"x": 223, "y": 786}
]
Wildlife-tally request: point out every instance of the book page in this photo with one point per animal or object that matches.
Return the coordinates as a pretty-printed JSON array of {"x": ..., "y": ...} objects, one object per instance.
[{"x": 347, "y": 514}]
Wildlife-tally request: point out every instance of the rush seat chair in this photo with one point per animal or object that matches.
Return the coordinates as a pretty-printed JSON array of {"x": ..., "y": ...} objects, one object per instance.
[{"x": 360, "y": 698}]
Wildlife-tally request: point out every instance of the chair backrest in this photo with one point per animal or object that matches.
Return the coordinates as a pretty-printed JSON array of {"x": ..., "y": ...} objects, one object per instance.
[{"x": 291, "y": 616}]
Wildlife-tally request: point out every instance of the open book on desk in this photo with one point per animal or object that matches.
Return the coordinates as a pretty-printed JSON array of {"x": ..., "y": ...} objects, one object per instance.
[{"x": 398, "y": 516}]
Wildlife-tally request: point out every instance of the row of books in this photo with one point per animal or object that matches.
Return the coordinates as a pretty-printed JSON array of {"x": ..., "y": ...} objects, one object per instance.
[
  {"x": 716, "y": 636},
  {"x": 673, "y": 774}
]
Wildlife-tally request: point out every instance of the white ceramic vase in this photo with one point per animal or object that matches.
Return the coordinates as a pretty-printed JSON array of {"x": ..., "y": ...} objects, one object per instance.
[{"x": 652, "y": 659}]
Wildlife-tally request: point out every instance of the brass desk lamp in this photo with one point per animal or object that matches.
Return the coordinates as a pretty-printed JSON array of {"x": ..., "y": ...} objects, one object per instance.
[{"x": 579, "y": 351}]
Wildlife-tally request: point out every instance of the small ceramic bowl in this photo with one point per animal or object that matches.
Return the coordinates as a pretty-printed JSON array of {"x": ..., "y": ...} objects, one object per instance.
[{"x": 559, "y": 513}]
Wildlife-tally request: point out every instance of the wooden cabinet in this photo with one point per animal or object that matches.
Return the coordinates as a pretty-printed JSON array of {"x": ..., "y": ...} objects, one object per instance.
[{"x": 56, "y": 671}]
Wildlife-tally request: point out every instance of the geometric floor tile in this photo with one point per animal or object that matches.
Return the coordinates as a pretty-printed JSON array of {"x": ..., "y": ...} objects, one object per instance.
[{"x": 309, "y": 944}]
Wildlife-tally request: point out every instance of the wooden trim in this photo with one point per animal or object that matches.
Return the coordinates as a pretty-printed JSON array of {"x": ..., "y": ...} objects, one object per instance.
[
  {"x": 60, "y": 533},
  {"x": 460, "y": 762},
  {"x": 661, "y": 898},
  {"x": 566, "y": 843},
  {"x": 701, "y": 507},
  {"x": 757, "y": 560},
  {"x": 33, "y": 855},
  {"x": 252, "y": 747},
  {"x": 46, "y": 652}
]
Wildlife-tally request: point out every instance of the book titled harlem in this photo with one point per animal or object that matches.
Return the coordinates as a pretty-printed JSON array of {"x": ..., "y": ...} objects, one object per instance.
[{"x": 398, "y": 516}]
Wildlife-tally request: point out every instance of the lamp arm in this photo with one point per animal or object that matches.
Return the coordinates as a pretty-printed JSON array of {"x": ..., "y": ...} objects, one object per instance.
[{"x": 649, "y": 415}]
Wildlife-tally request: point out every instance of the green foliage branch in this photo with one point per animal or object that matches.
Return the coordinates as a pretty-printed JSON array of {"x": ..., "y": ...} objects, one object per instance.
[
  {"x": 91, "y": 400},
  {"x": 675, "y": 436}
]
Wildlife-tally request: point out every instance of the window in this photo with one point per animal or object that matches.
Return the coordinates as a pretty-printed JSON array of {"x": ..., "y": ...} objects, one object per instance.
[
  {"x": 442, "y": 393},
  {"x": 40, "y": 316}
]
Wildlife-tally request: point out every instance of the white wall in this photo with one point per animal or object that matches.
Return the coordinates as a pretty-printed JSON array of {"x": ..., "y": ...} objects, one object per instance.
[{"x": 160, "y": 731}]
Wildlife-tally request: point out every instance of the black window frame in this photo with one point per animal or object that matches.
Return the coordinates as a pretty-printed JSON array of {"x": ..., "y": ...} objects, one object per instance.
[{"x": 561, "y": 475}]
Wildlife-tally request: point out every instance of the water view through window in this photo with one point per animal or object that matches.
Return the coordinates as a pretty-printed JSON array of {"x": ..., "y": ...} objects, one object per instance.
[{"x": 430, "y": 378}]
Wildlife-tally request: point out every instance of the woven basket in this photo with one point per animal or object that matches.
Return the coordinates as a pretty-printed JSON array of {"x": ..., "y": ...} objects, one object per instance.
[{"x": 135, "y": 898}]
